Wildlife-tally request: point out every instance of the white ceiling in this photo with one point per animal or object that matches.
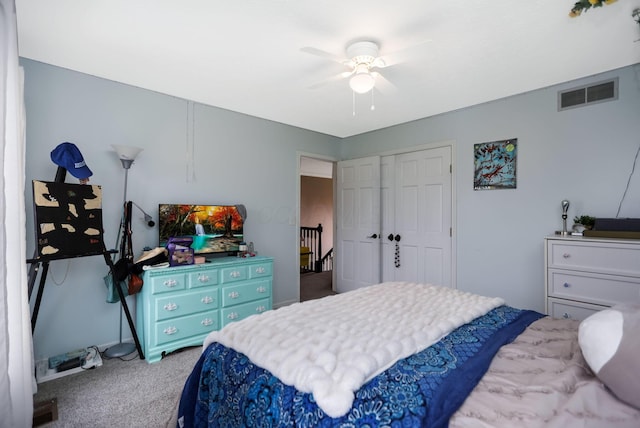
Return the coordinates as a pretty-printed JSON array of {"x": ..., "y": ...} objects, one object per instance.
[{"x": 245, "y": 55}]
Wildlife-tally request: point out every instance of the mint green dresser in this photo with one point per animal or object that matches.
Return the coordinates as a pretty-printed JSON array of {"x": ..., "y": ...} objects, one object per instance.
[{"x": 179, "y": 306}]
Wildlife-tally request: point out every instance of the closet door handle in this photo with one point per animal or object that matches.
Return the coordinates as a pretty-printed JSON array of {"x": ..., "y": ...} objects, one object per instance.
[
  {"x": 393, "y": 237},
  {"x": 374, "y": 236}
]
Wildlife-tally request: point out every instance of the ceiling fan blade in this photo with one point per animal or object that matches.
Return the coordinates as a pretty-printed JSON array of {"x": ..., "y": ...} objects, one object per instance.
[
  {"x": 383, "y": 84},
  {"x": 331, "y": 79},
  {"x": 324, "y": 54}
]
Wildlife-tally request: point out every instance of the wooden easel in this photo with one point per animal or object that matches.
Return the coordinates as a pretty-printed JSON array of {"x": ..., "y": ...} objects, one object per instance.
[{"x": 36, "y": 261}]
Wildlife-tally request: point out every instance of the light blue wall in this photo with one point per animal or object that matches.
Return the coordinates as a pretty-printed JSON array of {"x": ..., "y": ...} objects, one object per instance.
[
  {"x": 585, "y": 155},
  {"x": 238, "y": 159}
]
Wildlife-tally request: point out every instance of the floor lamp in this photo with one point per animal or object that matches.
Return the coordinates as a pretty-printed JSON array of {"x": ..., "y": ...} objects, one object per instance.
[{"x": 127, "y": 155}]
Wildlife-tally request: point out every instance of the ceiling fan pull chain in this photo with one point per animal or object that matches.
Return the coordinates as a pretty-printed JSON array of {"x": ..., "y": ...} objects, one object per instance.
[
  {"x": 353, "y": 94},
  {"x": 373, "y": 106}
]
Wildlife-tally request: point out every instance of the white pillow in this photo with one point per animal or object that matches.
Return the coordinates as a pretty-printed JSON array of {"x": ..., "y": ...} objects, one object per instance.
[
  {"x": 599, "y": 337},
  {"x": 610, "y": 343}
]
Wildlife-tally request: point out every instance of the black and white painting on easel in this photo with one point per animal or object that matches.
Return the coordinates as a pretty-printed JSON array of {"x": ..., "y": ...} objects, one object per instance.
[{"x": 68, "y": 219}]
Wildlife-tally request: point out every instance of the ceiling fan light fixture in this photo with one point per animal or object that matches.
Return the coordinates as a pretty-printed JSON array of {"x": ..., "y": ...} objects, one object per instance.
[{"x": 362, "y": 81}]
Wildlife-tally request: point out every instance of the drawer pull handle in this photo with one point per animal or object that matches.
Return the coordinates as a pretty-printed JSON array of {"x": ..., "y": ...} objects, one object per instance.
[
  {"x": 203, "y": 278},
  {"x": 261, "y": 289},
  {"x": 206, "y": 300},
  {"x": 170, "y": 283},
  {"x": 566, "y": 285},
  {"x": 260, "y": 309},
  {"x": 234, "y": 274},
  {"x": 170, "y": 307},
  {"x": 260, "y": 269},
  {"x": 566, "y": 255},
  {"x": 233, "y": 316},
  {"x": 566, "y": 316},
  {"x": 234, "y": 295},
  {"x": 206, "y": 322},
  {"x": 170, "y": 330}
]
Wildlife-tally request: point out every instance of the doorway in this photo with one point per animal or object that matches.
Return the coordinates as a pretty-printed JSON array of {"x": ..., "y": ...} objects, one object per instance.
[{"x": 316, "y": 227}]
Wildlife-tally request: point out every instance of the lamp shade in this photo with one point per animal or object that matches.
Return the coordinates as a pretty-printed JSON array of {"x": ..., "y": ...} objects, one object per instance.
[
  {"x": 362, "y": 81},
  {"x": 126, "y": 152}
]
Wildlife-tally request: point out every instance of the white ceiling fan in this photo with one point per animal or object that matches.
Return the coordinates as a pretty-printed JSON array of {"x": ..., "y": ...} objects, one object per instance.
[{"x": 362, "y": 59}]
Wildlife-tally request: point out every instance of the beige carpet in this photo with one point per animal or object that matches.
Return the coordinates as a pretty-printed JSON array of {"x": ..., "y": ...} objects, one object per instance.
[
  {"x": 121, "y": 393},
  {"x": 134, "y": 393}
]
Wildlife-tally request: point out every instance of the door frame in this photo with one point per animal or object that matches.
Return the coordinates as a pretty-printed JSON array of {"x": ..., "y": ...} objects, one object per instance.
[{"x": 324, "y": 158}]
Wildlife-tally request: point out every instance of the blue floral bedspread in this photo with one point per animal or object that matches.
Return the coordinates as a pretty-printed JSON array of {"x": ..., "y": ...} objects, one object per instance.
[{"x": 226, "y": 390}]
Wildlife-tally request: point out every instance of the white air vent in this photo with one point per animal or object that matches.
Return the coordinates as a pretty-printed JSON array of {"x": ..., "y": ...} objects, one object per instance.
[{"x": 585, "y": 95}]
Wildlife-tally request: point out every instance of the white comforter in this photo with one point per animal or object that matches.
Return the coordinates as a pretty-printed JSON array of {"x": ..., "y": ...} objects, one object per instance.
[{"x": 332, "y": 346}]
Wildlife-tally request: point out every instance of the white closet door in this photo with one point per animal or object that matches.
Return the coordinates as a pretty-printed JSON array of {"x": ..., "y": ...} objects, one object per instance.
[
  {"x": 416, "y": 198},
  {"x": 357, "y": 257}
]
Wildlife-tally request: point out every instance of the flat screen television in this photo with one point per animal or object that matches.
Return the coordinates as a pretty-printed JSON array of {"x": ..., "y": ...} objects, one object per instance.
[{"x": 216, "y": 229}]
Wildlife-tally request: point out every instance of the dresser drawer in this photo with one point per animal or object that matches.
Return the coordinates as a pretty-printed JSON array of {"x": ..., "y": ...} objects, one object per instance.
[
  {"x": 177, "y": 305},
  {"x": 202, "y": 278},
  {"x": 234, "y": 274},
  {"x": 592, "y": 287},
  {"x": 618, "y": 258},
  {"x": 260, "y": 270},
  {"x": 185, "y": 327},
  {"x": 165, "y": 283},
  {"x": 236, "y": 313},
  {"x": 557, "y": 308},
  {"x": 245, "y": 292}
]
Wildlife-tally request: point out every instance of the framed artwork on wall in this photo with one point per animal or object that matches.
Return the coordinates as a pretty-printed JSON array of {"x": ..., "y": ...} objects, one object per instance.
[
  {"x": 495, "y": 165},
  {"x": 68, "y": 219}
]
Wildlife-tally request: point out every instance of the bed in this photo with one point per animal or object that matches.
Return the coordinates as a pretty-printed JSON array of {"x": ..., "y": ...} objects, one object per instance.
[{"x": 403, "y": 354}]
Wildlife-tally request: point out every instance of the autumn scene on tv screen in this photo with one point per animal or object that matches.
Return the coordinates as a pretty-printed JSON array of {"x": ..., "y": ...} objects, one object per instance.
[{"x": 214, "y": 228}]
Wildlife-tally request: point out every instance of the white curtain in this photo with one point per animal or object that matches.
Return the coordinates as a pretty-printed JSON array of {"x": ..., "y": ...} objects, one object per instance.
[{"x": 17, "y": 382}]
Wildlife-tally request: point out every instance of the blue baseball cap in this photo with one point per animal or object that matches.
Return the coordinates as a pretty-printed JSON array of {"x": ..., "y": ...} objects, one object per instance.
[{"x": 69, "y": 157}]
